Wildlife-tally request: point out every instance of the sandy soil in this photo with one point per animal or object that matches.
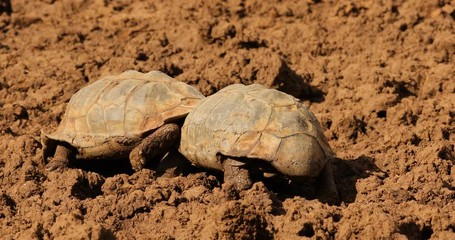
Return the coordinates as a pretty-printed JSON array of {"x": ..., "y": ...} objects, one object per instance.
[{"x": 379, "y": 75}]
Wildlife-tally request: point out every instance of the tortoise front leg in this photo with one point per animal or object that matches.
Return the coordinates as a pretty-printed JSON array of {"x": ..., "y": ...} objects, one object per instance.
[
  {"x": 154, "y": 146},
  {"x": 61, "y": 158},
  {"x": 236, "y": 176}
]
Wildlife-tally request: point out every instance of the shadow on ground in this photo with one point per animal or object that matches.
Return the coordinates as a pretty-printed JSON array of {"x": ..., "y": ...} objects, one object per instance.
[{"x": 348, "y": 171}]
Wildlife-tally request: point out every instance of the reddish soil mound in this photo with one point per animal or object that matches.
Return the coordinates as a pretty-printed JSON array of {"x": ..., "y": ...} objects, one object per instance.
[{"x": 379, "y": 75}]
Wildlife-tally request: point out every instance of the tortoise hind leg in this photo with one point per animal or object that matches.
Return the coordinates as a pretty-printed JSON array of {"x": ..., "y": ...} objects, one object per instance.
[
  {"x": 154, "y": 146},
  {"x": 327, "y": 191},
  {"x": 61, "y": 158}
]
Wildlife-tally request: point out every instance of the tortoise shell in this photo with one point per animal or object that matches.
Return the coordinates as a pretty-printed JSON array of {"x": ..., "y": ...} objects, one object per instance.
[
  {"x": 255, "y": 123},
  {"x": 118, "y": 111}
]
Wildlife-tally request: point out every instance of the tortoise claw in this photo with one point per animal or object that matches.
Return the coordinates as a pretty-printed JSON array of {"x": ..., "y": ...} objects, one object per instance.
[
  {"x": 60, "y": 160},
  {"x": 56, "y": 163}
]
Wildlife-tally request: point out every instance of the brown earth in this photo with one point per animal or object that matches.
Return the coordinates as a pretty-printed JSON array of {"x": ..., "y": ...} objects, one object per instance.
[{"x": 379, "y": 75}]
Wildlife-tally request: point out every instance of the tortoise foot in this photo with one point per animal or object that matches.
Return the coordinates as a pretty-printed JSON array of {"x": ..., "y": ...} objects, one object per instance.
[
  {"x": 236, "y": 178},
  {"x": 172, "y": 165},
  {"x": 61, "y": 158},
  {"x": 57, "y": 163},
  {"x": 153, "y": 148}
]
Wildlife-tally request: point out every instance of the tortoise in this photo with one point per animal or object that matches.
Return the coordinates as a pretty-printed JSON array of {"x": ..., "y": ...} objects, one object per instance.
[
  {"x": 242, "y": 127},
  {"x": 132, "y": 113}
]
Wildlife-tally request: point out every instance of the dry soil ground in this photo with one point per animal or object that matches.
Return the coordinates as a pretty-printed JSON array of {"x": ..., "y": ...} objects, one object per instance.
[{"x": 379, "y": 75}]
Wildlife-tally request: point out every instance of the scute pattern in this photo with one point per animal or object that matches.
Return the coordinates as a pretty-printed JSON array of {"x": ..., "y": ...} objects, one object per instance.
[
  {"x": 125, "y": 105},
  {"x": 257, "y": 123}
]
